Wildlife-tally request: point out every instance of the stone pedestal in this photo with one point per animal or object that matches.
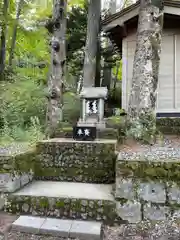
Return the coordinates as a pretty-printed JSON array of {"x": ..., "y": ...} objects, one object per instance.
[{"x": 93, "y": 107}]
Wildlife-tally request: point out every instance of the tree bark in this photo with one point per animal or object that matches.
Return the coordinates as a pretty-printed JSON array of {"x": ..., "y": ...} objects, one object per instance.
[
  {"x": 13, "y": 41},
  {"x": 107, "y": 70},
  {"x": 98, "y": 64},
  {"x": 142, "y": 102},
  {"x": 3, "y": 39},
  {"x": 58, "y": 67},
  {"x": 93, "y": 28}
]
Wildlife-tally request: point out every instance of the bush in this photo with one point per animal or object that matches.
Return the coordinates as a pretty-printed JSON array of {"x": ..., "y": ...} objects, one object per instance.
[
  {"x": 31, "y": 134},
  {"x": 23, "y": 111},
  {"x": 20, "y": 101}
]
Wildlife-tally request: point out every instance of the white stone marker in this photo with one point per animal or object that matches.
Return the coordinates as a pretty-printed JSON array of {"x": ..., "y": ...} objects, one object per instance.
[{"x": 92, "y": 99}]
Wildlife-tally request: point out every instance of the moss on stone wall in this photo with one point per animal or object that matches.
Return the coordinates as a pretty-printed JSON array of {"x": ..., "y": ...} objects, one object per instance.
[
  {"x": 21, "y": 162},
  {"x": 164, "y": 125},
  {"x": 76, "y": 161},
  {"x": 168, "y": 125},
  {"x": 168, "y": 122},
  {"x": 150, "y": 170},
  {"x": 63, "y": 208}
]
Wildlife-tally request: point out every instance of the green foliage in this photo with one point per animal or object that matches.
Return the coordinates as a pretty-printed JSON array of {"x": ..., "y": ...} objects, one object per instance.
[
  {"x": 21, "y": 100},
  {"x": 143, "y": 128},
  {"x": 31, "y": 134},
  {"x": 117, "y": 70},
  {"x": 71, "y": 107},
  {"x": 76, "y": 37},
  {"x": 22, "y": 95}
]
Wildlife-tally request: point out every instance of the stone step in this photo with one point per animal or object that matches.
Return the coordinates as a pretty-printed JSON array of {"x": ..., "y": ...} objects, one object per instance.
[
  {"x": 61, "y": 159},
  {"x": 82, "y": 230},
  {"x": 65, "y": 200}
]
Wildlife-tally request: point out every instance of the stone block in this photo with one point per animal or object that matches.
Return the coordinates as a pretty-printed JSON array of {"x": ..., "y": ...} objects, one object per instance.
[
  {"x": 176, "y": 214},
  {"x": 94, "y": 92},
  {"x": 2, "y": 201},
  {"x": 31, "y": 175},
  {"x": 8, "y": 183},
  {"x": 174, "y": 194},
  {"x": 28, "y": 224},
  {"x": 124, "y": 189},
  {"x": 130, "y": 211},
  {"x": 86, "y": 230},
  {"x": 155, "y": 212},
  {"x": 152, "y": 192},
  {"x": 24, "y": 179},
  {"x": 56, "y": 227}
]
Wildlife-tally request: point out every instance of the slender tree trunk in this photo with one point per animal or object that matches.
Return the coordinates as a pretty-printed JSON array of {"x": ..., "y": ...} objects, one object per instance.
[
  {"x": 3, "y": 39},
  {"x": 58, "y": 67},
  {"x": 94, "y": 13},
  {"x": 98, "y": 64},
  {"x": 107, "y": 71},
  {"x": 13, "y": 41},
  {"x": 142, "y": 120}
]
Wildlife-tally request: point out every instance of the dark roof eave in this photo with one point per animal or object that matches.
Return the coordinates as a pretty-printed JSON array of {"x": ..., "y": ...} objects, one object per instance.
[{"x": 170, "y": 3}]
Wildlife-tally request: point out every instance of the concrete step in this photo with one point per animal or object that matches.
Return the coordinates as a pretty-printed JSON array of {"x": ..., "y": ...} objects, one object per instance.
[
  {"x": 82, "y": 230},
  {"x": 61, "y": 159},
  {"x": 65, "y": 200}
]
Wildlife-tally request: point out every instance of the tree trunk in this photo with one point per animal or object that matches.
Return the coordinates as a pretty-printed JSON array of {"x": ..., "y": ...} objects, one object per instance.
[
  {"x": 98, "y": 64},
  {"x": 142, "y": 102},
  {"x": 3, "y": 39},
  {"x": 107, "y": 70},
  {"x": 58, "y": 67},
  {"x": 13, "y": 41},
  {"x": 93, "y": 28}
]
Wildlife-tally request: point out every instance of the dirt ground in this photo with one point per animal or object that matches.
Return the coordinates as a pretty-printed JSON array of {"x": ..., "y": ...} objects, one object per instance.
[{"x": 169, "y": 230}]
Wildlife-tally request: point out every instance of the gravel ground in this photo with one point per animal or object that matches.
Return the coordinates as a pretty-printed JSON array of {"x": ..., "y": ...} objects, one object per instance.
[{"x": 123, "y": 232}]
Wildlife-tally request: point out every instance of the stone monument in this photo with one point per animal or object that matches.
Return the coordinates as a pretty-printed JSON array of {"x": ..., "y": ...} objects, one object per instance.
[{"x": 92, "y": 100}]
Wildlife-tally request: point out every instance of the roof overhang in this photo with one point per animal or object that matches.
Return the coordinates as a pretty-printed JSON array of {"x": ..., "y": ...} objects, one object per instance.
[{"x": 120, "y": 18}]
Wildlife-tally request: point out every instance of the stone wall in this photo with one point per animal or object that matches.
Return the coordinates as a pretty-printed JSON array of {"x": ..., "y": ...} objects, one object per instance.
[
  {"x": 169, "y": 125},
  {"x": 148, "y": 185},
  {"x": 65, "y": 208},
  {"x": 164, "y": 125},
  {"x": 68, "y": 160},
  {"x": 16, "y": 169}
]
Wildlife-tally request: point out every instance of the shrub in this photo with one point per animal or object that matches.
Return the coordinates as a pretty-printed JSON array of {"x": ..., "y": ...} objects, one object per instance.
[{"x": 20, "y": 101}]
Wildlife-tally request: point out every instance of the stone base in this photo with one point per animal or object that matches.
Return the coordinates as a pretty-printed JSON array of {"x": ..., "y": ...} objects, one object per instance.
[
  {"x": 98, "y": 125},
  {"x": 62, "y": 159}
]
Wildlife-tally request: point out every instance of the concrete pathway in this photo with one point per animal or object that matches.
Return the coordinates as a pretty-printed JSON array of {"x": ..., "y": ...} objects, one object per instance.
[
  {"x": 67, "y": 190},
  {"x": 82, "y": 230}
]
